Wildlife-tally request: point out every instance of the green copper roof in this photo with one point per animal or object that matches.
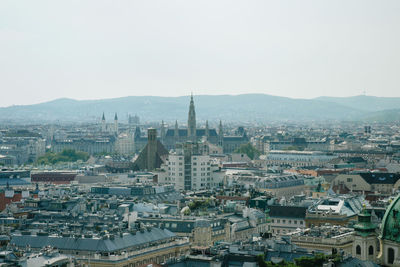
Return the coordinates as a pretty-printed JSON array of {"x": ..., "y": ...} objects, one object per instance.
[
  {"x": 391, "y": 222},
  {"x": 364, "y": 226}
]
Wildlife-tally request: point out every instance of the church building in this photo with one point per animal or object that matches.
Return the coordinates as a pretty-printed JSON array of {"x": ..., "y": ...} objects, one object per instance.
[{"x": 171, "y": 137}]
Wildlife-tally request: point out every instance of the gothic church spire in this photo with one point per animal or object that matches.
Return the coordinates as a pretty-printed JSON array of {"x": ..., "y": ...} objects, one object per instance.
[{"x": 192, "y": 120}]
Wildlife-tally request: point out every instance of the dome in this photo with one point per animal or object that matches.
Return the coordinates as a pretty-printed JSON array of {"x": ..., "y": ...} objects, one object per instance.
[{"x": 391, "y": 222}]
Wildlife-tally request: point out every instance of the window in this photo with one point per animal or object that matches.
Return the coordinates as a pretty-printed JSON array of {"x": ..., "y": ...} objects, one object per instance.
[
  {"x": 358, "y": 250},
  {"x": 349, "y": 180},
  {"x": 371, "y": 250},
  {"x": 390, "y": 255}
]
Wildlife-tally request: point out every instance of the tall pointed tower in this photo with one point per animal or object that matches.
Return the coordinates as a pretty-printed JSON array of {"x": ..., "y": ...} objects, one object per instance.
[
  {"x": 192, "y": 121},
  {"x": 116, "y": 123},
  {"x": 220, "y": 135},
  {"x": 103, "y": 123}
]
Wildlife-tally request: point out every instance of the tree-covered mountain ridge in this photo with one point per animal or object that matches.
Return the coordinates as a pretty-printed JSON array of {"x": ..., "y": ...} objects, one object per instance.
[{"x": 230, "y": 108}]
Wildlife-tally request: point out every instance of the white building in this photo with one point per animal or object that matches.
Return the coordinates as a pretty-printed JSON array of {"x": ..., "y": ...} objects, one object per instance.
[
  {"x": 189, "y": 173},
  {"x": 189, "y": 170},
  {"x": 297, "y": 158},
  {"x": 124, "y": 144}
]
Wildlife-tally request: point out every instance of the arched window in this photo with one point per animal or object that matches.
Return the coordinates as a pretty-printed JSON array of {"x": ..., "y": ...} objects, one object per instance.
[
  {"x": 390, "y": 255},
  {"x": 371, "y": 250},
  {"x": 358, "y": 250}
]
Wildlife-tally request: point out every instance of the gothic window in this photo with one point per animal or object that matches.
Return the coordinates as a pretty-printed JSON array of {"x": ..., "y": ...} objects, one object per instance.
[
  {"x": 371, "y": 250},
  {"x": 390, "y": 255},
  {"x": 358, "y": 250}
]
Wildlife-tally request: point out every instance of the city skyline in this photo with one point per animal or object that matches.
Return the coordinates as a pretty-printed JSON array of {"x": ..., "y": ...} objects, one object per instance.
[{"x": 199, "y": 133}]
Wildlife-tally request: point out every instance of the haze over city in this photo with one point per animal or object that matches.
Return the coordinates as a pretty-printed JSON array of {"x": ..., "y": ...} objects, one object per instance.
[
  {"x": 199, "y": 133},
  {"x": 106, "y": 49}
]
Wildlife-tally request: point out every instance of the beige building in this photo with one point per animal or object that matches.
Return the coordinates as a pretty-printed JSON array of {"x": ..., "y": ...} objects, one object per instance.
[
  {"x": 286, "y": 219},
  {"x": 383, "y": 183},
  {"x": 206, "y": 233},
  {"x": 343, "y": 241},
  {"x": 201, "y": 232}
]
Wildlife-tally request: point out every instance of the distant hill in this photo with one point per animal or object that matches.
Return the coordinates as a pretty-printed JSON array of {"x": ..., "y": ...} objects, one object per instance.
[
  {"x": 364, "y": 103},
  {"x": 243, "y": 108}
]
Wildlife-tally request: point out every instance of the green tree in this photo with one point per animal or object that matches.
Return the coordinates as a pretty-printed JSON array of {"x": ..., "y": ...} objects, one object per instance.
[
  {"x": 67, "y": 155},
  {"x": 249, "y": 150},
  {"x": 317, "y": 260}
]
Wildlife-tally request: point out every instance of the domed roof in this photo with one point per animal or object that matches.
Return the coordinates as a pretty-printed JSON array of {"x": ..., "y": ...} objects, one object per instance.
[{"x": 391, "y": 222}]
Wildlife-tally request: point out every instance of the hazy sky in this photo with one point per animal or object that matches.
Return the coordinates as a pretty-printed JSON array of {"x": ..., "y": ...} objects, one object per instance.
[{"x": 103, "y": 49}]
